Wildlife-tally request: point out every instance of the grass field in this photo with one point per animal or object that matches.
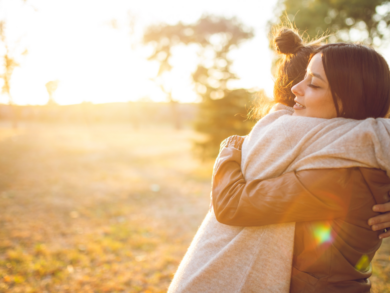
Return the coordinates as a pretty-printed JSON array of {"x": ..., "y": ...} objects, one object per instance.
[{"x": 103, "y": 208}]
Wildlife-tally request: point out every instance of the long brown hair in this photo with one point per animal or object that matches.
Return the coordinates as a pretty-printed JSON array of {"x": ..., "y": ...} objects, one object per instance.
[{"x": 359, "y": 79}]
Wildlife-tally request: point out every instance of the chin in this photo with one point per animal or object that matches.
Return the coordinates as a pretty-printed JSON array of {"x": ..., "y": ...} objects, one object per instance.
[{"x": 298, "y": 113}]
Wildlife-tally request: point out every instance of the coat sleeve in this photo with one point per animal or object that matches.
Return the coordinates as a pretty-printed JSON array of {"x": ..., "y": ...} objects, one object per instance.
[{"x": 311, "y": 195}]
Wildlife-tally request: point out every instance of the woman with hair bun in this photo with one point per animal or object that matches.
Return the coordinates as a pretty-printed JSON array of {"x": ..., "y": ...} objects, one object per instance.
[
  {"x": 236, "y": 258},
  {"x": 329, "y": 162},
  {"x": 292, "y": 67}
]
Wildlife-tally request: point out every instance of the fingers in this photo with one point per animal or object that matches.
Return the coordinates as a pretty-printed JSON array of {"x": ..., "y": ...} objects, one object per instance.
[
  {"x": 379, "y": 223},
  {"x": 382, "y": 221},
  {"x": 385, "y": 235},
  {"x": 379, "y": 219},
  {"x": 381, "y": 226},
  {"x": 238, "y": 140},
  {"x": 382, "y": 208},
  {"x": 223, "y": 144},
  {"x": 233, "y": 141},
  {"x": 383, "y": 218}
]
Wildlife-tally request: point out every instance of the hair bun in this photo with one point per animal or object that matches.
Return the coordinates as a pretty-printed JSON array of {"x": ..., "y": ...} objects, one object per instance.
[{"x": 287, "y": 41}]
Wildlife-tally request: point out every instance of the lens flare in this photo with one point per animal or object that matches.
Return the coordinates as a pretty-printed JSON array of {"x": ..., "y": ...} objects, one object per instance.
[
  {"x": 322, "y": 233},
  {"x": 363, "y": 264}
]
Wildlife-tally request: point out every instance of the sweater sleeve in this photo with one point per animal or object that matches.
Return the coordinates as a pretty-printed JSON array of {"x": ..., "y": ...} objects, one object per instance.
[{"x": 311, "y": 195}]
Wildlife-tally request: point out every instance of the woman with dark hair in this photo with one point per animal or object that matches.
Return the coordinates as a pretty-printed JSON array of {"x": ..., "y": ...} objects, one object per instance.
[
  {"x": 239, "y": 259},
  {"x": 333, "y": 162}
]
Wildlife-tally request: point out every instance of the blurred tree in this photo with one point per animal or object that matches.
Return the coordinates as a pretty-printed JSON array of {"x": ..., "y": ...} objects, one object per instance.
[
  {"x": 129, "y": 25},
  {"x": 132, "y": 24},
  {"x": 221, "y": 118},
  {"x": 51, "y": 87},
  {"x": 215, "y": 38},
  {"x": 12, "y": 50},
  {"x": 9, "y": 64},
  {"x": 51, "y": 109},
  {"x": 366, "y": 21},
  {"x": 164, "y": 37}
]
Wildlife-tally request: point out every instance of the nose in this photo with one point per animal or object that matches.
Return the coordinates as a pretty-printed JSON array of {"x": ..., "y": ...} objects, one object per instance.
[{"x": 297, "y": 89}]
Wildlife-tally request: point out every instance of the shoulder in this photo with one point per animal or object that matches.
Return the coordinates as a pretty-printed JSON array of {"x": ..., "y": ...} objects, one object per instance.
[{"x": 281, "y": 107}]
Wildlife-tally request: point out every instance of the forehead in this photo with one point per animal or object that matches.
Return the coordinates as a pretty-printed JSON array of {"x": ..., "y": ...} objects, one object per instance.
[{"x": 316, "y": 66}]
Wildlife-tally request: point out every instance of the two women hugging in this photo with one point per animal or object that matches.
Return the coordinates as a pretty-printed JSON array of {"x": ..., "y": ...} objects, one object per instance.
[{"x": 291, "y": 201}]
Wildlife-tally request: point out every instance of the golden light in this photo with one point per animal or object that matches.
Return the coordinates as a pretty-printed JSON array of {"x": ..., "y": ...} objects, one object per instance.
[
  {"x": 95, "y": 52},
  {"x": 87, "y": 46}
]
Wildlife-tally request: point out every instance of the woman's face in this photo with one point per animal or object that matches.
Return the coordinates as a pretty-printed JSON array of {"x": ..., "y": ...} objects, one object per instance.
[{"x": 313, "y": 97}]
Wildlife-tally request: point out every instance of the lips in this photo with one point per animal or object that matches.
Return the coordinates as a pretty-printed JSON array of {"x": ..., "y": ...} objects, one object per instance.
[{"x": 298, "y": 106}]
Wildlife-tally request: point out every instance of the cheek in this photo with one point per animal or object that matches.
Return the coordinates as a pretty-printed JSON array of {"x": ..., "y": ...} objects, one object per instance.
[
  {"x": 329, "y": 104},
  {"x": 320, "y": 104},
  {"x": 312, "y": 99}
]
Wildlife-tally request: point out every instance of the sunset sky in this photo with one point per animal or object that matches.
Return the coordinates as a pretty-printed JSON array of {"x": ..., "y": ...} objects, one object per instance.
[{"x": 98, "y": 60}]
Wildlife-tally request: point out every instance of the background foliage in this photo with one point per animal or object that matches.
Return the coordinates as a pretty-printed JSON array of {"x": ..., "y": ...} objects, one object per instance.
[
  {"x": 347, "y": 20},
  {"x": 222, "y": 111}
]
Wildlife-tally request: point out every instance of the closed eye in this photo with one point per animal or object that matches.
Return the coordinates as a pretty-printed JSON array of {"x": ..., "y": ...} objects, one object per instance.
[{"x": 313, "y": 86}]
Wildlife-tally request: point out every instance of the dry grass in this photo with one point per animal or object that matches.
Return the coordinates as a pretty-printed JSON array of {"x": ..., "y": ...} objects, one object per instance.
[
  {"x": 97, "y": 209},
  {"x": 102, "y": 208}
]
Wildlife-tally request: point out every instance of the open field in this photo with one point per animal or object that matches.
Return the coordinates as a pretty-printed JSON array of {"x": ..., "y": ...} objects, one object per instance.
[{"x": 103, "y": 208}]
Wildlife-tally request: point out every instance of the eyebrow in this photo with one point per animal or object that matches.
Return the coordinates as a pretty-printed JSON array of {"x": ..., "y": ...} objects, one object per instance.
[{"x": 316, "y": 75}]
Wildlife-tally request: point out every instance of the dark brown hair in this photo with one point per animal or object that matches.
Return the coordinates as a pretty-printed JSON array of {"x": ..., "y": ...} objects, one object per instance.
[
  {"x": 359, "y": 79},
  {"x": 291, "y": 68}
]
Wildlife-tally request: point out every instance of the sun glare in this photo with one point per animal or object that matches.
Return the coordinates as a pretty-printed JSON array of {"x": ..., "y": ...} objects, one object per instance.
[{"x": 91, "y": 49}]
